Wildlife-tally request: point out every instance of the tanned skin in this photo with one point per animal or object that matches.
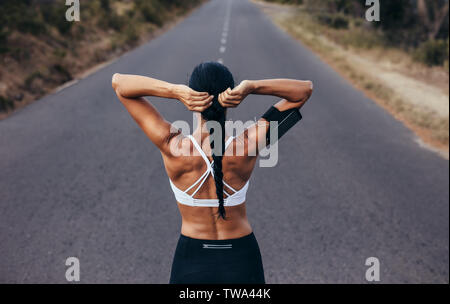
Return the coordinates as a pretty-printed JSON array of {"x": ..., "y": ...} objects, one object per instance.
[{"x": 183, "y": 163}]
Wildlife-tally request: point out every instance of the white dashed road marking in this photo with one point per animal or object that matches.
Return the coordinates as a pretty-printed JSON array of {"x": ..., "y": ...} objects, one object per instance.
[{"x": 223, "y": 40}]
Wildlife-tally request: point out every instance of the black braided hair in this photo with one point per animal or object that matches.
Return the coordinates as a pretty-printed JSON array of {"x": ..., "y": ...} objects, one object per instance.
[{"x": 214, "y": 78}]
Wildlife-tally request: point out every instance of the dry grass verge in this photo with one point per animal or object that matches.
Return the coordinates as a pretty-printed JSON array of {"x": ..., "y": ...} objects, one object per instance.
[
  {"x": 415, "y": 94},
  {"x": 35, "y": 63}
]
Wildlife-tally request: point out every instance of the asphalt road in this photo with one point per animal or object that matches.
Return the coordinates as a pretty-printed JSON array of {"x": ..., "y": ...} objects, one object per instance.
[{"x": 78, "y": 178}]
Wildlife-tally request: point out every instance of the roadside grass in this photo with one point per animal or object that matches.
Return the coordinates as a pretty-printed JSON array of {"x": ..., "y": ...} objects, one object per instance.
[
  {"x": 42, "y": 52},
  {"x": 337, "y": 45}
]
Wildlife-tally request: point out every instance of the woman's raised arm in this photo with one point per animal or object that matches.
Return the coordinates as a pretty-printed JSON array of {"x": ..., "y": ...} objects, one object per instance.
[
  {"x": 135, "y": 86},
  {"x": 131, "y": 89},
  {"x": 291, "y": 90},
  {"x": 284, "y": 113}
]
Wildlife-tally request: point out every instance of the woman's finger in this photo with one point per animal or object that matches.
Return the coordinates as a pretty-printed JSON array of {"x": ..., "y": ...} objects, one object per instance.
[
  {"x": 233, "y": 98},
  {"x": 231, "y": 102},
  {"x": 221, "y": 98},
  {"x": 206, "y": 97},
  {"x": 231, "y": 105},
  {"x": 227, "y": 95},
  {"x": 201, "y": 108},
  {"x": 224, "y": 93},
  {"x": 233, "y": 94},
  {"x": 202, "y": 102},
  {"x": 195, "y": 93}
]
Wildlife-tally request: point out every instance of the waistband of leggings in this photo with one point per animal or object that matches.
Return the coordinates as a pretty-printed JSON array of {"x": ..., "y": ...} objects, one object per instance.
[{"x": 235, "y": 242}]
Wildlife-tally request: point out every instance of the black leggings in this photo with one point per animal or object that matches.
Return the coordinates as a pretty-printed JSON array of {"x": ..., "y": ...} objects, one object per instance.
[{"x": 217, "y": 261}]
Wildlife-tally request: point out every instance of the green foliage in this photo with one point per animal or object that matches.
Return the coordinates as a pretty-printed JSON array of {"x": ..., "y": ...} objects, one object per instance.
[
  {"x": 21, "y": 15},
  {"x": 401, "y": 26},
  {"x": 3, "y": 42},
  {"x": 400, "y": 20},
  {"x": 63, "y": 73},
  {"x": 360, "y": 38},
  {"x": 60, "y": 53},
  {"x": 6, "y": 104},
  {"x": 55, "y": 15},
  {"x": 396, "y": 15},
  {"x": 287, "y": 1},
  {"x": 131, "y": 34},
  {"x": 106, "y": 20},
  {"x": 105, "y": 5},
  {"x": 32, "y": 25},
  {"x": 28, "y": 83},
  {"x": 19, "y": 53},
  {"x": 36, "y": 17},
  {"x": 337, "y": 21},
  {"x": 433, "y": 52},
  {"x": 357, "y": 22},
  {"x": 114, "y": 21},
  {"x": 152, "y": 11}
]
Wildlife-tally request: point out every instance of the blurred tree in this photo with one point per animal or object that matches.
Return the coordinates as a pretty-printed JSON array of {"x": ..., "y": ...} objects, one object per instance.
[
  {"x": 105, "y": 5},
  {"x": 432, "y": 15}
]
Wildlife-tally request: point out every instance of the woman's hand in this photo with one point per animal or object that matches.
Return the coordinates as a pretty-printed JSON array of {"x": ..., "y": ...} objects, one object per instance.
[
  {"x": 193, "y": 100},
  {"x": 232, "y": 98}
]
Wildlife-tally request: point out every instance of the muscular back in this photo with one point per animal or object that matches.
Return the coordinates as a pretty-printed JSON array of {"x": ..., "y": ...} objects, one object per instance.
[
  {"x": 202, "y": 222},
  {"x": 184, "y": 170}
]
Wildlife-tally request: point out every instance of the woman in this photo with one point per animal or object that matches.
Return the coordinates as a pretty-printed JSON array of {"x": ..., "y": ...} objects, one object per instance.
[{"x": 216, "y": 244}]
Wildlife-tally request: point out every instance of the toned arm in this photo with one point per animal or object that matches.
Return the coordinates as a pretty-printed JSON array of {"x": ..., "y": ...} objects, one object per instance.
[
  {"x": 294, "y": 94},
  {"x": 131, "y": 90}
]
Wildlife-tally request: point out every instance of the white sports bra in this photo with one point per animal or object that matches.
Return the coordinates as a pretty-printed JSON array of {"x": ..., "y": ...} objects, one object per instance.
[{"x": 236, "y": 198}]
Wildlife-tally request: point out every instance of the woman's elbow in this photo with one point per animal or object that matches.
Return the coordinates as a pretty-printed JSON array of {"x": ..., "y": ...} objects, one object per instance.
[
  {"x": 307, "y": 91},
  {"x": 310, "y": 88},
  {"x": 115, "y": 81}
]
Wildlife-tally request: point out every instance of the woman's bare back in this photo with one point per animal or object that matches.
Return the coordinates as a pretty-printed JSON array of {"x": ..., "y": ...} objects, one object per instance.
[{"x": 203, "y": 222}]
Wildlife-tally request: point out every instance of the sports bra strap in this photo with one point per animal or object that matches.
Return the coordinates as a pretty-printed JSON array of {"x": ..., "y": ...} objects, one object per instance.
[
  {"x": 232, "y": 189},
  {"x": 209, "y": 168},
  {"x": 200, "y": 150},
  {"x": 229, "y": 140},
  {"x": 197, "y": 181},
  {"x": 201, "y": 184}
]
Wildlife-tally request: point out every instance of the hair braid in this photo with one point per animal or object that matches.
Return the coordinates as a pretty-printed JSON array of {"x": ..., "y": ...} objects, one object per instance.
[
  {"x": 217, "y": 165},
  {"x": 214, "y": 78}
]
